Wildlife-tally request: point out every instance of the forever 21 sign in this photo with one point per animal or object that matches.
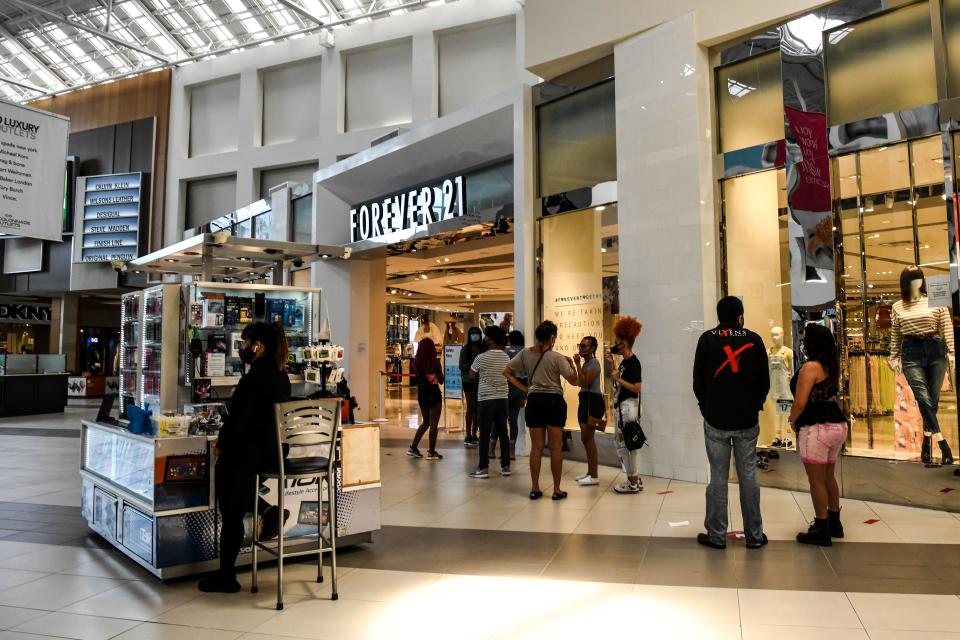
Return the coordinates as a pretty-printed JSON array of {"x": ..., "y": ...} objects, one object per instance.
[{"x": 408, "y": 210}]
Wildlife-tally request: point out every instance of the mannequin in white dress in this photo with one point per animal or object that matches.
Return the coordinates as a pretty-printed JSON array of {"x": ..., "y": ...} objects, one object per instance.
[{"x": 780, "y": 359}]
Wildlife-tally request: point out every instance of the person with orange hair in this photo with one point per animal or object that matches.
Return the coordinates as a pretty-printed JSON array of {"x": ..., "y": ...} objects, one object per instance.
[{"x": 627, "y": 381}]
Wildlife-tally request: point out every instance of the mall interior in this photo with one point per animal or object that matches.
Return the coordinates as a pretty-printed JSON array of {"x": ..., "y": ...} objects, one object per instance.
[{"x": 178, "y": 178}]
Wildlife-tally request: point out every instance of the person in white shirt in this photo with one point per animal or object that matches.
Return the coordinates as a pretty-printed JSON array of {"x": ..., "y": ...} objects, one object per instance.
[
  {"x": 492, "y": 394},
  {"x": 430, "y": 330}
]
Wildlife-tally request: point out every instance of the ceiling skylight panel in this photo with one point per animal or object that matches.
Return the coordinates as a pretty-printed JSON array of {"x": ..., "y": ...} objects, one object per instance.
[{"x": 250, "y": 24}]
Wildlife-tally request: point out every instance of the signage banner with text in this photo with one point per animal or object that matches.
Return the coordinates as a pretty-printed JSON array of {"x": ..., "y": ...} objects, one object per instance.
[
  {"x": 400, "y": 213},
  {"x": 108, "y": 225},
  {"x": 33, "y": 155}
]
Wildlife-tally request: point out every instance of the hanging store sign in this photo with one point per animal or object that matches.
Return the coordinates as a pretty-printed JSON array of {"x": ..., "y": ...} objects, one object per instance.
[
  {"x": 408, "y": 210},
  {"x": 109, "y": 226},
  {"x": 33, "y": 152},
  {"x": 12, "y": 312}
]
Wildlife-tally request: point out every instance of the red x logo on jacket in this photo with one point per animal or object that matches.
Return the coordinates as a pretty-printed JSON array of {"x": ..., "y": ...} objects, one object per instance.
[{"x": 732, "y": 360}]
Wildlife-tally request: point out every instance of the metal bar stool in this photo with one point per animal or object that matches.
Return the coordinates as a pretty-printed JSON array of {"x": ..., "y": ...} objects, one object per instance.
[{"x": 301, "y": 424}]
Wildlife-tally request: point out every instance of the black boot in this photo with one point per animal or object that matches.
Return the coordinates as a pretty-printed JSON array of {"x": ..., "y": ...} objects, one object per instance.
[
  {"x": 946, "y": 456},
  {"x": 836, "y": 527},
  {"x": 818, "y": 534},
  {"x": 925, "y": 455}
]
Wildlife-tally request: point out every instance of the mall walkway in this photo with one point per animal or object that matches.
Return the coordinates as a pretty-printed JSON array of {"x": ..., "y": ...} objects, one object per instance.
[{"x": 464, "y": 558}]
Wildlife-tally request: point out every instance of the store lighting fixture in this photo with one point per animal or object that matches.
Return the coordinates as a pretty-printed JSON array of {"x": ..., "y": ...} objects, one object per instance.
[
  {"x": 393, "y": 292},
  {"x": 468, "y": 296},
  {"x": 170, "y": 260},
  {"x": 600, "y": 208},
  {"x": 423, "y": 276},
  {"x": 446, "y": 259}
]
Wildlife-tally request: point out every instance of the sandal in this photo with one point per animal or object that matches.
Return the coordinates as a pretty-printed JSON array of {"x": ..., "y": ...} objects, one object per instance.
[
  {"x": 559, "y": 495},
  {"x": 536, "y": 495}
]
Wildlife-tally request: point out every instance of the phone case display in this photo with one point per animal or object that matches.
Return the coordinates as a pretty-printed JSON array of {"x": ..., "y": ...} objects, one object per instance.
[
  {"x": 129, "y": 350},
  {"x": 148, "y": 318},
  {"x": 218, "y": 313}
]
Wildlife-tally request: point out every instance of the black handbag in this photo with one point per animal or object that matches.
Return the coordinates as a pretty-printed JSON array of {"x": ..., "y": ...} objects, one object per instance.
[{"x": 633, "y": 436}]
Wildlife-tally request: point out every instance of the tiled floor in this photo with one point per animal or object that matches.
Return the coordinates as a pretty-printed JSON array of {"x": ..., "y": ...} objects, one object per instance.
[{"x": 464, "y": 558}]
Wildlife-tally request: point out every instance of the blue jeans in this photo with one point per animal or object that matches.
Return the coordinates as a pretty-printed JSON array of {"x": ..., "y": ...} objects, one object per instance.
[
  {"x": 924, "y": 366},
  {"x": 743, "y": 445}
]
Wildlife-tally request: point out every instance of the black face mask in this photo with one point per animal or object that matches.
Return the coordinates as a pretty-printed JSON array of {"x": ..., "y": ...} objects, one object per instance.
[
  {"x": 247, "y": 355},
  {"x": 616, "y": 349}
]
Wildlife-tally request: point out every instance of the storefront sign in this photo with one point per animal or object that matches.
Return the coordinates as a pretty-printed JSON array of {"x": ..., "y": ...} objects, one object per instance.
[
  {"x": 109, "y": 229},
  {"x": 33, "y": 152},
  {"x": 408, "y": 210},
  {"x": 12, "y": 312},
  {"x": 452, "y": 382}
]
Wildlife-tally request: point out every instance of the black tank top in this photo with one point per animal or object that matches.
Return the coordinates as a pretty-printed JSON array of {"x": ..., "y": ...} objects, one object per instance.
[{"x": 823, "y": 405}]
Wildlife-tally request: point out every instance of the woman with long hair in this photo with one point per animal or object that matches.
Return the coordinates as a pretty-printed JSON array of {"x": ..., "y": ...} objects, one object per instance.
[
  {"x": 429, "y": 377},
  {"x": 474, "y": 347},
  {"x": 591, "y": 404},
  {"x": 627, "y": 383},
  {"x": 247, "y": 443},
  {"x": 821, "y": 430},
  {"x": 546, "y": 412}
]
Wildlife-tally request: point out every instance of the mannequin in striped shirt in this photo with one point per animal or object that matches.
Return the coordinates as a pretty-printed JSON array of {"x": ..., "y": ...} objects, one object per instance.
[{"x": 921, "y": 346}]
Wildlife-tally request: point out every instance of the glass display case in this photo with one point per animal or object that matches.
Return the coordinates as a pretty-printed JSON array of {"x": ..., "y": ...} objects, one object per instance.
[
  {"x": 216, "y": 315},
  {"x": 147, "y": 371}
]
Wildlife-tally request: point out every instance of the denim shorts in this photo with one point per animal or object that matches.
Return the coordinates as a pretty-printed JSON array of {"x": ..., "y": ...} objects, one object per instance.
[{"x": 821, "y": 443}]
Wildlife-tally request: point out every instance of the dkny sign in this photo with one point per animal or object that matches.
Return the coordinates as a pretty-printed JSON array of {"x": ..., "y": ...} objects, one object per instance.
[
  {"x": 408, "y": 210},
  {"x": 12, "y": 312}
]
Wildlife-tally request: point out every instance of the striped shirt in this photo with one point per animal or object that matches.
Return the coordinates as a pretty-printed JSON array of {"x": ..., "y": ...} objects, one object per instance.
[
  {"x": 915, "y": 318},
  {"x": 489, "y": 366}
]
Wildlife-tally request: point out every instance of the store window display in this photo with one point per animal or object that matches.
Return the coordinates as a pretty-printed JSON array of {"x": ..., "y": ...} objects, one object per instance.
[{"x": 922, "y": 349}]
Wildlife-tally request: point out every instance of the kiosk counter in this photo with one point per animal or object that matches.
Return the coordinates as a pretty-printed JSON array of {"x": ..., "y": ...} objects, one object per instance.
[{"x": 153, "y": 498}]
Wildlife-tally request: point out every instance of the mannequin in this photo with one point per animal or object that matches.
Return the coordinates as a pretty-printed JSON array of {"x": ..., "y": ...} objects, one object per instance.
[
  {"x": 430, "y": 330},
  {"x": 780, "y": 358},
  {"x": 921, "y": 347}
]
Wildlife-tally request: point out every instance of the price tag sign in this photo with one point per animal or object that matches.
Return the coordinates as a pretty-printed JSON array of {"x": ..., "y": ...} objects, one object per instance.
[{"x": 784, "y": 407}]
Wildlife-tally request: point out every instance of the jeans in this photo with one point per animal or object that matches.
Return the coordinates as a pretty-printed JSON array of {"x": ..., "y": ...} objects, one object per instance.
[
  {"x": 743, "y": 445},
  {"x": 514, "y": 406},
  {"x": 627, "y": 411},
  {"x": 924, "y": 366},
  {"x": 492, "y": 416}
]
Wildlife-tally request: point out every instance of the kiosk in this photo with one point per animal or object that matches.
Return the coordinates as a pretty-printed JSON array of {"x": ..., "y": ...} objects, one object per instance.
[{"x": 152, "y": 495}]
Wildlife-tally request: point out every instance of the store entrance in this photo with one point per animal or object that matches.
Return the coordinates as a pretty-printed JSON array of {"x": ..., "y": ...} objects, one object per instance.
[
  {"x": 892, "y": 214},
  {"x": 456, "y": 281}
]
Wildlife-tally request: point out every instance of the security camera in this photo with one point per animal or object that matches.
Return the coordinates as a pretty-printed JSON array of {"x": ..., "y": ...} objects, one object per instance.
[
  {"x": 298, "y": 263},
  {"x": 119, "y": 266}
]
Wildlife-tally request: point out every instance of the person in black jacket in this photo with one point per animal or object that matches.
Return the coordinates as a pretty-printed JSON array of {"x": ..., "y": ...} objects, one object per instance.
[
  {"x": 468, "y": 354},
  {"x": 248, "y": 443},
  {"x": 731, "y": 381}
]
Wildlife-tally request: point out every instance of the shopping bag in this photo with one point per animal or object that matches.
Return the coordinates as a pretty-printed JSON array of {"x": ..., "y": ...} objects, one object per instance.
[{"x": 523, "y": 445}]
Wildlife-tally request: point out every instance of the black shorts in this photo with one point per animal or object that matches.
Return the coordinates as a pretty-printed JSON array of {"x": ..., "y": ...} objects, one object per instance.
[
  {"x": 429, "y": 396},
  {"x": 591, "y": 404},
  {"x": 545, "y": 409}
]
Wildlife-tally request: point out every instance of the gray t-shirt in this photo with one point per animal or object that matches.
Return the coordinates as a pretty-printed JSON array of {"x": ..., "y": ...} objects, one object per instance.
[
  {"x": 548, "y": 375},
  {"x": 593, "y": 364}
]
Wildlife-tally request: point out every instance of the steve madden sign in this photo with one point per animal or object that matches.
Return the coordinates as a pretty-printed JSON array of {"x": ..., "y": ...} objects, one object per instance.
[{"x": 408, "y": 210}]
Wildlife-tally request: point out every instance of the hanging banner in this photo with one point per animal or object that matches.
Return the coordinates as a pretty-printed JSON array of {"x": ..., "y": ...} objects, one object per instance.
[
  {"x": 108, "y": 224},
  {"x": 33, "y": 154}
]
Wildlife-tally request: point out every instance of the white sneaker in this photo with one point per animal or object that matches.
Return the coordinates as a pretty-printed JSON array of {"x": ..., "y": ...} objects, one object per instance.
[
  {"x": 587, "y": 481},
  {"x": 627, "y": 487},
  {"x": 582, "y": 476}
]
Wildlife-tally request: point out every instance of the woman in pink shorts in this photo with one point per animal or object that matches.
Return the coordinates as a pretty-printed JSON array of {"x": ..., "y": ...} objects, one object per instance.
[{"x": 821, "y": 430}]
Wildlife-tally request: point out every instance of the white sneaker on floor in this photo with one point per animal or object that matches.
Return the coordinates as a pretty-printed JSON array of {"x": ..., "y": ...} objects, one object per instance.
[
  {"x": 582, "y": 476},
  {"x": 627, "y": 487},
  {"x": 588, "y": 481}
]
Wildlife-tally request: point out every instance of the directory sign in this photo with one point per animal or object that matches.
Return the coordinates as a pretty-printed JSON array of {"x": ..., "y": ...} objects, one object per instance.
[{"x": 108, "y": 228}]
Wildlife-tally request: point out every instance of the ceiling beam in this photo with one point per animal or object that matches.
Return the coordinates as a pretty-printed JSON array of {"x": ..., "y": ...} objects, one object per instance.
[
  {"x": 300, "y": 11},
  {"x": 332, "y": 10},
  {"x": 159, "y": 26},
  {"x": 56, "y": 17},
  {"x": 21, "y": 84},
  {"x": 29, "y": 55}
]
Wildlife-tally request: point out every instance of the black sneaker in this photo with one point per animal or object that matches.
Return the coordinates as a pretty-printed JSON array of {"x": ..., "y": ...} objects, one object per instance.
[
  {"x": 414, "y": 453},
  {"x": 271, "y": 522},
  {"x": 219, "y": 584},
  {"x": 434, "y": 455},
  {"x": 705, "y": 540},
  {"x": 471, "y": 442},
  {"x": 756, "y": 544}
]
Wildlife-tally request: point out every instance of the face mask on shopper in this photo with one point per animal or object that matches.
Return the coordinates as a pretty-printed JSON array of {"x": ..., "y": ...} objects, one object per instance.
[
  {"x": 616, "y": 348},
  {"x": 474, "y": 337},
  {"x": 247, "y": 355}
]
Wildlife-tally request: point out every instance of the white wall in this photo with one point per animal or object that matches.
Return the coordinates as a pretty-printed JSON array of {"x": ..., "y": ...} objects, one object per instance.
[
  {"x": 471, "y": 63},
  {"x": 277, "y": 129}
]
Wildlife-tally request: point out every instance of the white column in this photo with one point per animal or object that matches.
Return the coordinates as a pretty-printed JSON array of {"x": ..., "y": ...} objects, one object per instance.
[
  {"x": 667, "y": 231},
  {"x": 524, "y": 217}
]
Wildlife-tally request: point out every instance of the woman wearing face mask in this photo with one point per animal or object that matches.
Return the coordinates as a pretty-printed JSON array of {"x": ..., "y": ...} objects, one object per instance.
[
  {"x": 247, "y": 443},
  {"x": 627, "y": 380},
  {"x": 546, "y": 412},
  {"x": 592, "y": 404},
  {"x": 468, "y": 354}
]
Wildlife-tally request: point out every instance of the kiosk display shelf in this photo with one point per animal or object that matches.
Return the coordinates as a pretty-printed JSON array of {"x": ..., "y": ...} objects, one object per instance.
[{"x": 154, "y": 498}]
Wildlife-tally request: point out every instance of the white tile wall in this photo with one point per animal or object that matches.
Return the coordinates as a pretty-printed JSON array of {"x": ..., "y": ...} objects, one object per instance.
[{"x": 665, "y": 191}]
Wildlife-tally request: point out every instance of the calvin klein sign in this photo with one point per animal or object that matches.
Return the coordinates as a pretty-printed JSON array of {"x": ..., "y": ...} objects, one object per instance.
[{"x": 408, "y": 210}]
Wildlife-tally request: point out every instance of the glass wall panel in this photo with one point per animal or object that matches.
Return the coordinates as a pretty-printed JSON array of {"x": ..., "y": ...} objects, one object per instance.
[
  {"x": 758, "y": 271},
  {"x": 898, "y": 216},
  {"x": 750, "y": 102},
  {"x": 303, "y": 219},
  {"x": 577, "y": 140},
  {"x": 880, "y": 65}
]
